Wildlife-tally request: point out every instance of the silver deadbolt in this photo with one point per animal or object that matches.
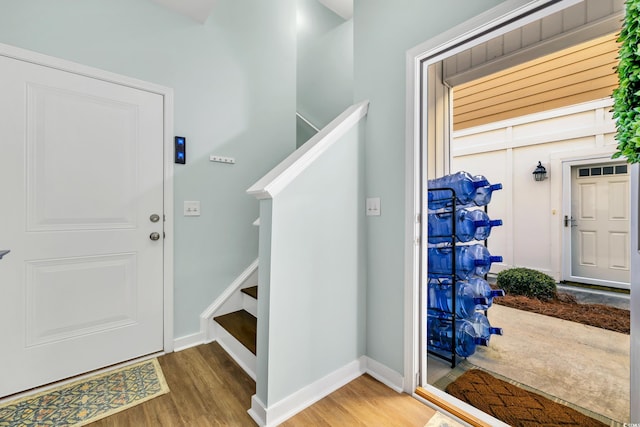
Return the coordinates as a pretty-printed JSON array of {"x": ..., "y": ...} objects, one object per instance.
[
  {"x": 154, "y": 236},
  {"x": 154, "y": 218}
]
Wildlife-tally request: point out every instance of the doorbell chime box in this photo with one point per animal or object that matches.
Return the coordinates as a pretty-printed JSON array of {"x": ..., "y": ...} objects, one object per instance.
[{"x": 180, "y": 143}]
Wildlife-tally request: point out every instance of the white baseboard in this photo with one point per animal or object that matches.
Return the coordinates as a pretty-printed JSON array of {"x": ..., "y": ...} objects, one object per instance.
[
  {"x": 258, "y": 411},
  {"x": 384, "y": 374},
  {"x": 187, "y": 341},
  {"x": 305, "y": 397}
]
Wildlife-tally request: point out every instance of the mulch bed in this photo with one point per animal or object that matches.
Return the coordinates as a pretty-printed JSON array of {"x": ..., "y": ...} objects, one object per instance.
[
  {"x": 513, "y": 405},
  {"x": 566, "y": 307}
]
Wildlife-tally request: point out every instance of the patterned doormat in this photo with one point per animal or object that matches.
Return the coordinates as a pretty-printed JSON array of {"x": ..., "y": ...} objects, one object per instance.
[
  {"x": 84, "y": 401},
  {"x": 514, "y": 405},
  {"x": 465, "y": 366}
]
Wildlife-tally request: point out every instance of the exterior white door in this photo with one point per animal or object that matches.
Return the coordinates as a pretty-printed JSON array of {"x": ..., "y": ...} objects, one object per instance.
[
  {"x": 600, "y": 239},
  {"x": 81, "y": 173}
]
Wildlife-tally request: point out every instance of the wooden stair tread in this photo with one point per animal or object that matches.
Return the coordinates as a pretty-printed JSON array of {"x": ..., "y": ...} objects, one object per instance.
[
  {"x": 242, "y": 325},
  {"x": 252, "y": 291}
]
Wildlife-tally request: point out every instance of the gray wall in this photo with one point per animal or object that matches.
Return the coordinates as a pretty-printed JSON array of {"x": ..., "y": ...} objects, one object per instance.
[
  {"x": 324, "y": 63},
  {"x": 234, "y": 96},
  {"x": 304, "y": 132},
  {"x": 383, "y": 32},
  {"x": 314, "y": 277}
]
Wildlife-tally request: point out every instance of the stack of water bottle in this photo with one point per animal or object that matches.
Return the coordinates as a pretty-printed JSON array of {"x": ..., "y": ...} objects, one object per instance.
[{"x": 457, "y": 292}]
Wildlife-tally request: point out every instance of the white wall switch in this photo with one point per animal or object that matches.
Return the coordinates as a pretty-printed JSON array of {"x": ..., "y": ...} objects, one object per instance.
[
  {"x": 192, "y": 208},
  {"x": 221, "y": 159},
  {"x": 373, "y": 206}
]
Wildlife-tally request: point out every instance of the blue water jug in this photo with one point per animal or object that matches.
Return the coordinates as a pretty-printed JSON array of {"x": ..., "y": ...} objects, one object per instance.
[
  {"x": 482, "y": 326},
  {"x": 470, "y": 225},
  {"x": 471, "y": 260},
  {"x": 440, "y": 336},
  {"x": 482, "y": 289},
  {"x": 483, "y": 193},
  {"x": 440, "y": 298},
  {"x": 483, "y": 232},
  {"x": 461, "y": 182}
]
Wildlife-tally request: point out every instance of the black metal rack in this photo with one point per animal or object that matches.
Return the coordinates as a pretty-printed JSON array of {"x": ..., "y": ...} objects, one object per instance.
[{"x": 441, "y": 354}]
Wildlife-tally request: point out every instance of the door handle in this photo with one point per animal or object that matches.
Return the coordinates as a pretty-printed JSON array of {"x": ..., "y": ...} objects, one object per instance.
[
  {"x": 3, "y": 253},
  {"x": 154, "y": 236}
]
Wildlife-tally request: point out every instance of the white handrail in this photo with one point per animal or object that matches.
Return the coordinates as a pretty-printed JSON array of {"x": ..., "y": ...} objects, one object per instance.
[
  {"x": 307, "y": 122},
  {"x": 283, "y": 174}
]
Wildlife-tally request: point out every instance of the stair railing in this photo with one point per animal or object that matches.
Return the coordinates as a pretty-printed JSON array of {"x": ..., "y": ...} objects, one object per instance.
[{"x": 312, "y": 305}]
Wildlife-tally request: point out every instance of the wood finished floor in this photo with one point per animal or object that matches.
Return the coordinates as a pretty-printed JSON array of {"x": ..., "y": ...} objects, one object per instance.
[
  {"x": 209, "y": 389},
  {"x": 364, "y": 402}
]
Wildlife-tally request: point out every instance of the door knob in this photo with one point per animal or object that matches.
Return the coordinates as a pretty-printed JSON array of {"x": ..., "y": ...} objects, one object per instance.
[
  {"x": 154, "y": 218},
  {"x": 154, "y": 236}
]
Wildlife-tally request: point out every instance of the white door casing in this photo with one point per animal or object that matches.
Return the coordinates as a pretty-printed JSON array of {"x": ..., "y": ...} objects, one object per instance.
[
  {"x": 418, "y": 124},
  {"x": 599, "y": 224},
  {"x": 634, "y": 394},
  {"x": 81, "y": 172}
]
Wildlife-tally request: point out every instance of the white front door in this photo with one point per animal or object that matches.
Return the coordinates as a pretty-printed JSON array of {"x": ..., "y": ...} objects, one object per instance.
[
  {"x": 600, "y": 224},
  {"x": 81, "y": 173}
]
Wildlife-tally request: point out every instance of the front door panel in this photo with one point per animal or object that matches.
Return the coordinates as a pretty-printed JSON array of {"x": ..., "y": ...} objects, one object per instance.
[{"x": 81, "y": 170}]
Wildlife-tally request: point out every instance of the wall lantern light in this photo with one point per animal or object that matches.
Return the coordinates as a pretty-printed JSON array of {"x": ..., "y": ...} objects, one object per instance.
[{"x": 540, "y": 174}]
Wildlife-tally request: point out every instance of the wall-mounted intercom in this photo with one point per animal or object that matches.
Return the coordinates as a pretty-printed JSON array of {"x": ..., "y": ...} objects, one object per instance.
[{"x": 180, "y": 149}]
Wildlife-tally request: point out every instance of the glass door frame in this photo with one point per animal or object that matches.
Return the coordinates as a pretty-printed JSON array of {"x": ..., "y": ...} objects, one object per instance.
[{"x": 425, "y": 158}]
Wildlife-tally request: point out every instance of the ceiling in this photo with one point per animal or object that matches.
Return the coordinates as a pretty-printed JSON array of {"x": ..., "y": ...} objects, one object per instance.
[
  {"x": 200, "y": 10},
  {"x": 343, "y": 8}
]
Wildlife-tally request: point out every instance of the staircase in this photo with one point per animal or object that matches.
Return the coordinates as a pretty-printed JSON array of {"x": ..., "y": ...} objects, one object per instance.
[{"x": 236, "y": 331}]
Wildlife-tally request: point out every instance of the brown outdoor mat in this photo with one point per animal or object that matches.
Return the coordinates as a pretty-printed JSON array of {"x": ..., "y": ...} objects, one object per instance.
[{"x": 514, "y": 405}]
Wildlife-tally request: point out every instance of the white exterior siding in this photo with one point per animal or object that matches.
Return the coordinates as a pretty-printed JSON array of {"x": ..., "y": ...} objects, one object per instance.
[{"x": 508, "y": 152}]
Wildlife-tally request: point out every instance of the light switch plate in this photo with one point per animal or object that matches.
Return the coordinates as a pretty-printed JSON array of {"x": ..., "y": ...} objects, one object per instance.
[
  {"x": 192, "y": 208},
  {"x": 373, "y": 206}
]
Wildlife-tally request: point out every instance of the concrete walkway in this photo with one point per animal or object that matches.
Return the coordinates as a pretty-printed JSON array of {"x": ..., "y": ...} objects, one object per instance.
[
  {"x": 596, "y": 296},
  {"x": 581, "y": 364}
]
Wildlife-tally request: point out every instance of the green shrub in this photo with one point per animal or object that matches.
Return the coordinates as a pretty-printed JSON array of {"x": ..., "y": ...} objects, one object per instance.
[
  {"x": 528, "y": 282},
  {"x": 626, "y": 97}
]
